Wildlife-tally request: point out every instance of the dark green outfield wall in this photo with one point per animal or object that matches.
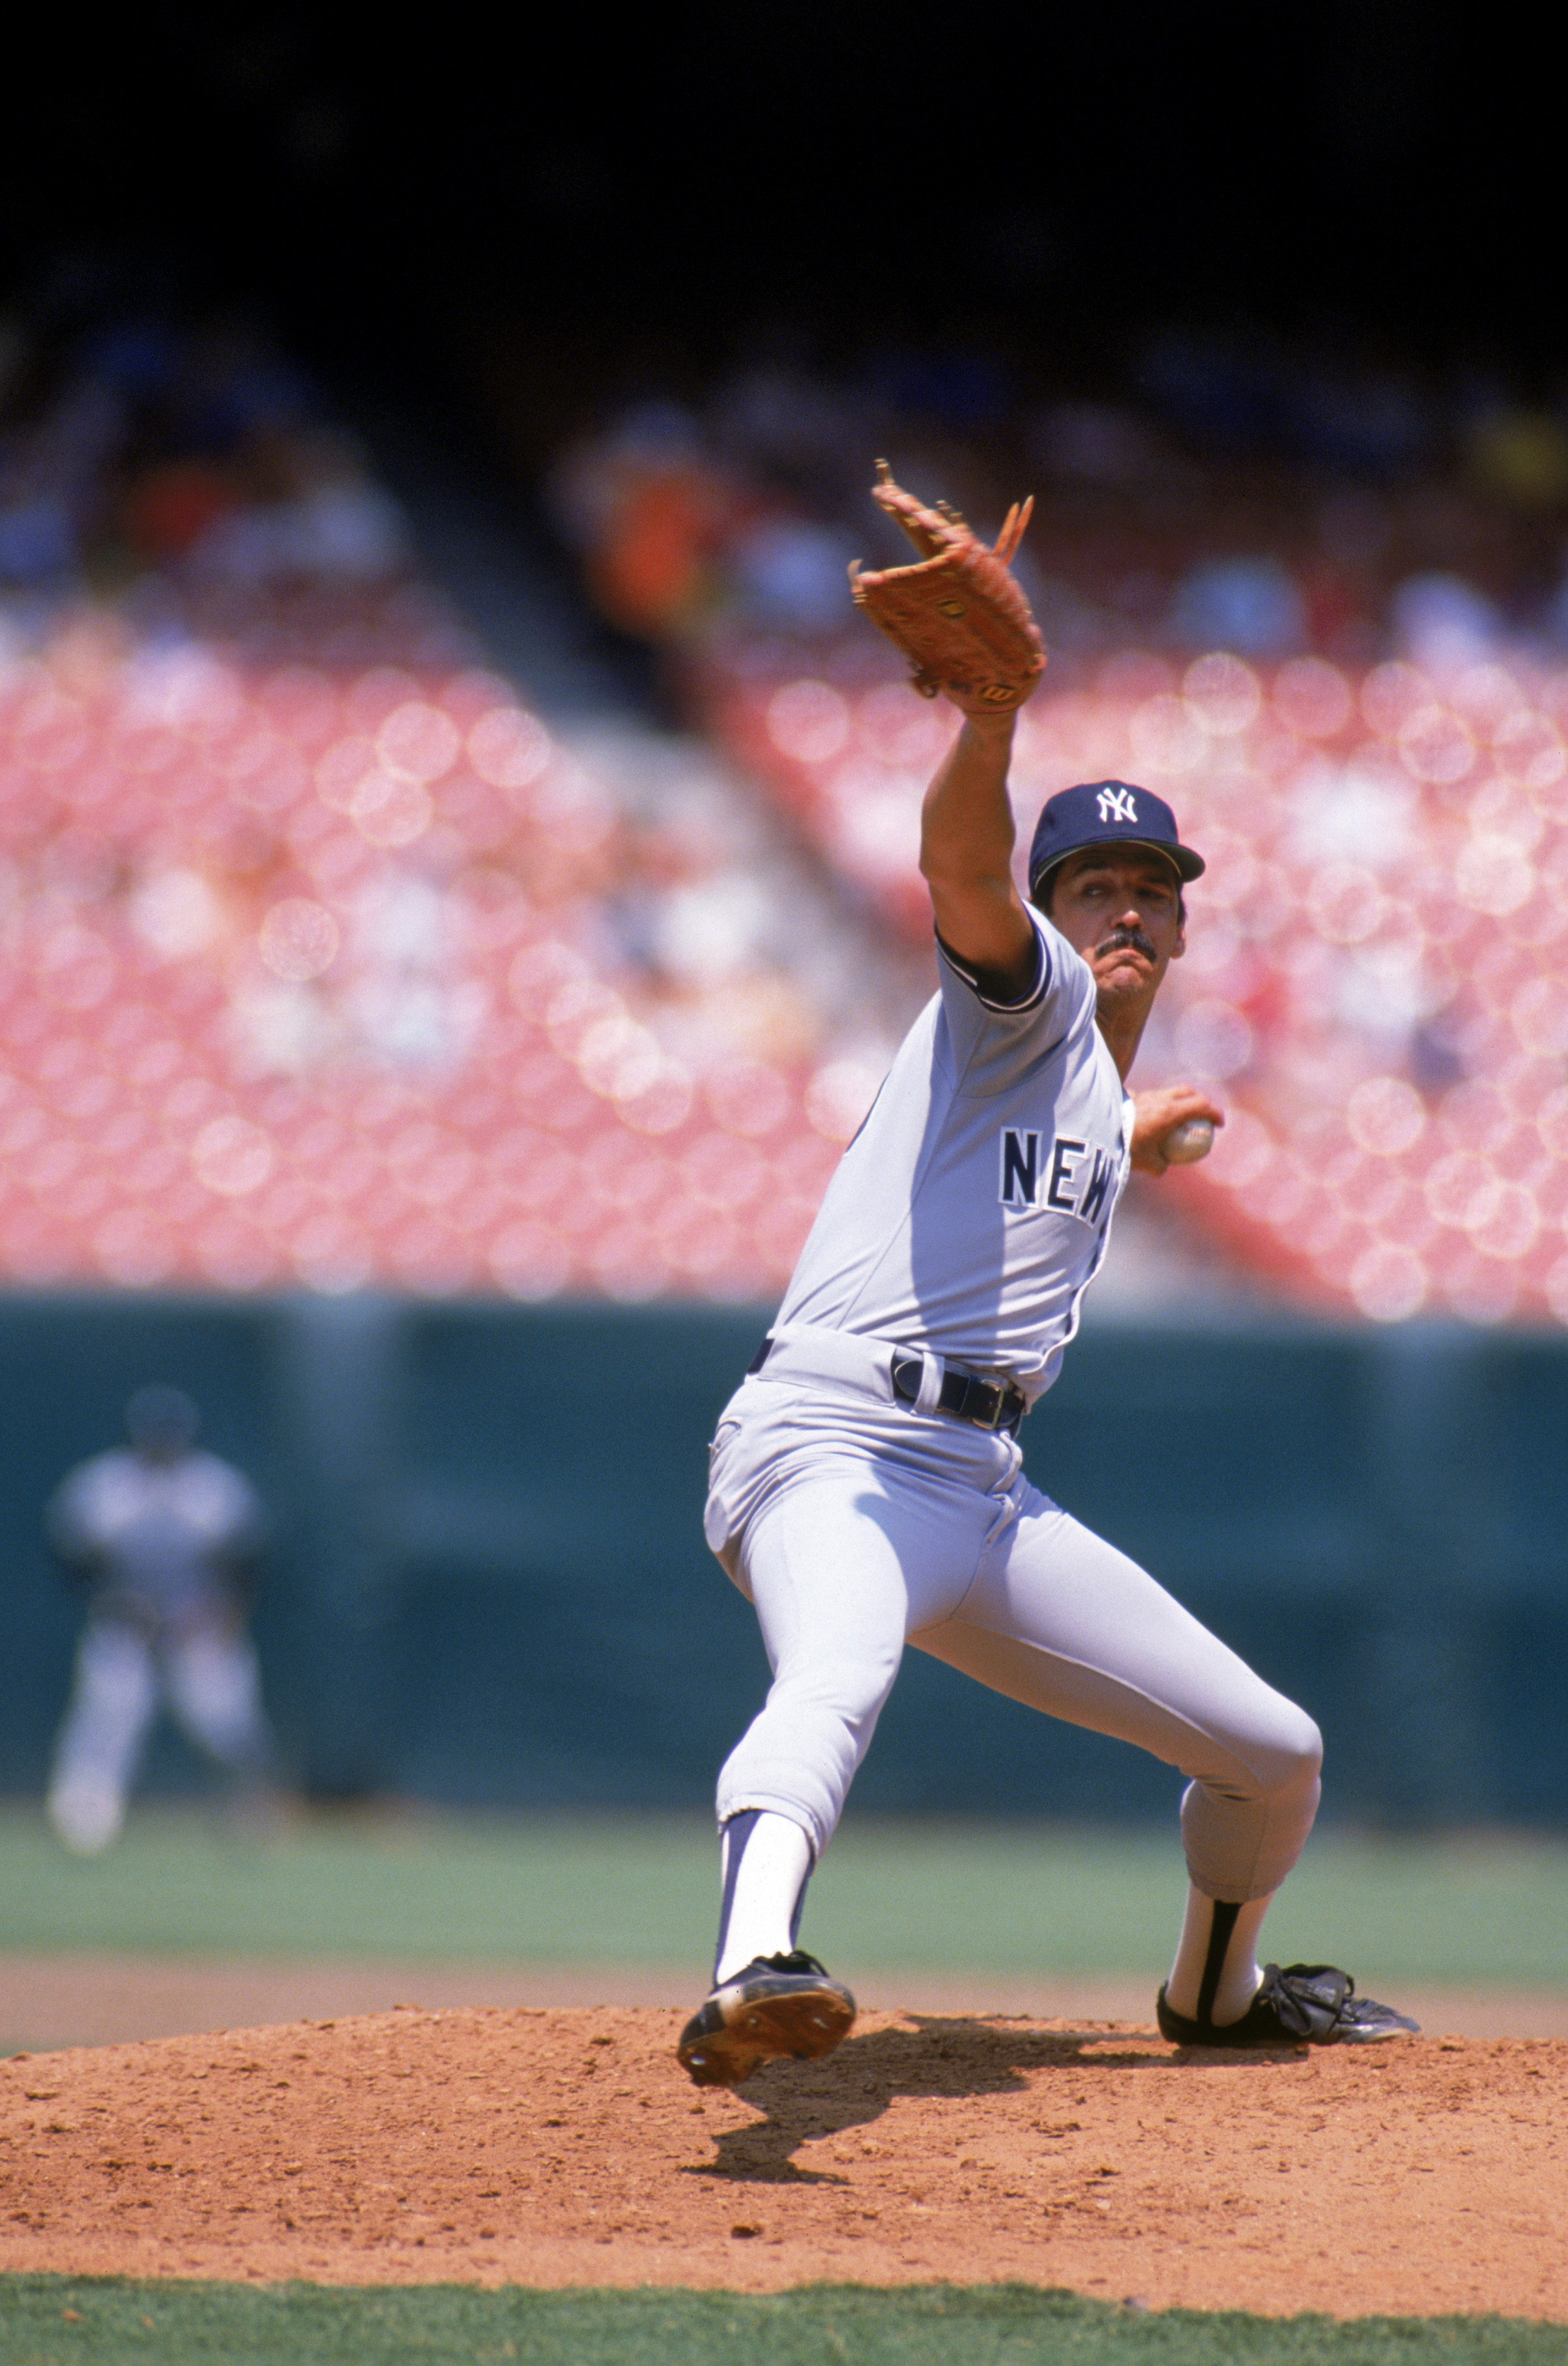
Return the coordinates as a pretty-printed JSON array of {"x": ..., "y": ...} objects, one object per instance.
[{"x": 487, "y": 1581}]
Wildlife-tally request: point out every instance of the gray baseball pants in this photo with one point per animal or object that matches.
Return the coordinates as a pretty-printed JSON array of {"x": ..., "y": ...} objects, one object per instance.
[
  {"x": 856, "y": 1524},
  {"x": 210, "y": 1677}
]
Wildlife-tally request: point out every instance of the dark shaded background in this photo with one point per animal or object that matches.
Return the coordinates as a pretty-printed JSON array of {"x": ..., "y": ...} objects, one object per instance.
[
  {"x": 485, "y": 1587},
  {"x": 1375, "y": 174}
]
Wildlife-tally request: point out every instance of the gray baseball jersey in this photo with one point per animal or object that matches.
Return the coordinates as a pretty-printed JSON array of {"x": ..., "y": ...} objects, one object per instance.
[
  {"x": 971, "y": 1211},
  {"x": 159, "y": 1535}
]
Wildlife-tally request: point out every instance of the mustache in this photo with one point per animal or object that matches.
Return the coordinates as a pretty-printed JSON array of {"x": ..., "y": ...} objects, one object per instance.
[{"x": 1133, "y": 940}]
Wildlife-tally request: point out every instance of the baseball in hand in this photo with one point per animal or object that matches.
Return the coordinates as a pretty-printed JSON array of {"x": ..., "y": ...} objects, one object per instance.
[{"x": 1193, "y": 1139}]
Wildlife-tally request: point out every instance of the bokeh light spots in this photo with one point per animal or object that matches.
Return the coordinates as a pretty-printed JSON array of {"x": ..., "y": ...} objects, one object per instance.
[
  {"x": 263, "y": 769},
  {"x": 1386, "y": 1115},
  {"x": 509, "y": 749},
  {"x": 1496, "y": 810},
  {"x": 747, "y": 1097},
  {"x": 1223, "y": 694},
  {"x": 1345, "y": 903},
  {"x": 1492, "y": 877},
  {"x": 576, "y": 1008},
  {"x": 1510, "y": 1224},
  {"x": 717, "y": 1171},
  {"x": 1539, "y": 1015},
  {"x": 176, "y": 912},
  {"x": 418, "y": 741},
  {"x": 1435, "y": 745},
  {"x": 299, "y": 939},
  {"x": 1388, "y": 1282},
  {"x": 619, "y": 1058},
  {"x": 1480, "y": 1289},
  {"x": 135, "y": 1249},
  {"x": 1313, "y": 698},
  {"x": 341, "y": 769},
  {"x": 376, "y": 694},
  {"x": 1461, "y": 1190},
  {"x": 388, "y": 810},
  {"x": 807, "y": 721},
  {"x": 530, "y": 1261},
  {"x": 1390, "y": 694},
  {"x": 233, "y": 1156},
  {"x": 1213, "y": 1039},
  {"x": 1165, "y": 737},
  {"x": 838, "y": 1097},
  {"x": 893, "y": 728},
  {"x": 662, "y": 1106}
]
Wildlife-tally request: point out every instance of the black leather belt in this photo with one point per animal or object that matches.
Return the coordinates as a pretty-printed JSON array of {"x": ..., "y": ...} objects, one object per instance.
[{"x": 986, "y": 1404}]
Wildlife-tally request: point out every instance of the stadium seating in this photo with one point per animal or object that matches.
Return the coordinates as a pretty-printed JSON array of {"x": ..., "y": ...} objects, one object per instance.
[{"x": 310, "y": 979}]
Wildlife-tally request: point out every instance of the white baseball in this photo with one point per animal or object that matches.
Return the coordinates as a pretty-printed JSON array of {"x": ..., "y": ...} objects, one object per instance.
[{"x": 1193, "y": 1139}]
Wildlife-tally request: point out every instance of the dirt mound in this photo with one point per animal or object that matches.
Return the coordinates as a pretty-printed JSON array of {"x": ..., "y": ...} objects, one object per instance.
[{"x": 564, "y": 2147}]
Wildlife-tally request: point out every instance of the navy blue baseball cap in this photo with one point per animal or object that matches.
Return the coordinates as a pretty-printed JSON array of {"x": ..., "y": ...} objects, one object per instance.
[{"x": 1106, "y": 813}]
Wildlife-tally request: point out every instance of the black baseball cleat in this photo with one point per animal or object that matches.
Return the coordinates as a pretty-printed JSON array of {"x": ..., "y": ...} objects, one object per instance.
[
  {"x": 776, "y": 2005},
  {"x": 1305, "y": 2004}
]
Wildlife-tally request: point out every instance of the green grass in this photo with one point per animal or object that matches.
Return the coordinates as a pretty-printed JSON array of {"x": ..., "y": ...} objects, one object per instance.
[
  {"x": 639, "y": 1892},
  {"x": 48, "y": 2320}
]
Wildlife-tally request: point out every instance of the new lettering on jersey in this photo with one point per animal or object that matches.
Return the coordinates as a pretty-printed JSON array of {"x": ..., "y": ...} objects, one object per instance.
[
  {"x": 1098, "y": 1193},
  {"x": 1066, "y": 1186},
  {"x": 1020, "y": 1167}
]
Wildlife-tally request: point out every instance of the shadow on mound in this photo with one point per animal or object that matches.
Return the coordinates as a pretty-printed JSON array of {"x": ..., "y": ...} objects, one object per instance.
[{"x": 806, "y": 2100}]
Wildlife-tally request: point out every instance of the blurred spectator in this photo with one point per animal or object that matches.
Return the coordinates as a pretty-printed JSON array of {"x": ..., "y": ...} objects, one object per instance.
[
  {"x": 1097, "y": 443},
  {"x": 1442, "y": 621},
  {"x": 164, "y": 1535},
  {"x": 1252, "y": 605},
  {"x": 792, "y": 573},
  {"x": 324, "y": 523},
  {"x": 147, "y": 445},
  {"x": 1519, "y": 455}
]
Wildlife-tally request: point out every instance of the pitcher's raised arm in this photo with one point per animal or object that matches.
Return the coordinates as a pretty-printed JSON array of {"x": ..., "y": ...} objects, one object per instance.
[{"x": 966, "y": 842}]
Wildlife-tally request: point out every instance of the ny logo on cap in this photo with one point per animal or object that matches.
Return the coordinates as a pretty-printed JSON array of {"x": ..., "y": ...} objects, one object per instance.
[{"x": 1116, "y": 804}]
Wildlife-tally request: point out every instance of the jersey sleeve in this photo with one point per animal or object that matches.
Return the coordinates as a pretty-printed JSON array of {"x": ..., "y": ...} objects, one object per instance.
[
  {"x": 990, "y": 1042},
  {"x": 229, "y": 1508},
  {"x": 73, "y": 1522}
]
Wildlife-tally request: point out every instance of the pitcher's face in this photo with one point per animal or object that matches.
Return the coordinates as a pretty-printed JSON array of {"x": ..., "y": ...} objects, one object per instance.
[{"x": 1119, "y": 906}]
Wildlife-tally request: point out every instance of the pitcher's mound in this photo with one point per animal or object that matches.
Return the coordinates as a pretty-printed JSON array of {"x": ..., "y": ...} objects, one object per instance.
[{"x": 566, "y": 2147}]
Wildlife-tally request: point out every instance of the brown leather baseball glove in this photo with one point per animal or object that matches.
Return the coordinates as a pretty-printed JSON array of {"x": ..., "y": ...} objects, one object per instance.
[{"x": 958, "y": 613}]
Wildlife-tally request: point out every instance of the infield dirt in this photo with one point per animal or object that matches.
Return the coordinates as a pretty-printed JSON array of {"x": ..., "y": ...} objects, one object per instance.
[{"x": 558, "y": 2146}]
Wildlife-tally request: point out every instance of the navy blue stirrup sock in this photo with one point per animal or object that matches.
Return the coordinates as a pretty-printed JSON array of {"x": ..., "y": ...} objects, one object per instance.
[
  {"x": 737, "y": 1830},
  {"x": 1214, "y": 1961}
]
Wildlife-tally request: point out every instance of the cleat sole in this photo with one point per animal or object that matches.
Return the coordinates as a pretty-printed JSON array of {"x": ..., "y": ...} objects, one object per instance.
[{"x": 721, "y": 2048}]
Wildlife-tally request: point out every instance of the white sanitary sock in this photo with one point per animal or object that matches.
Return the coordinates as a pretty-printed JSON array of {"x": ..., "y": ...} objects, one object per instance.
[
  {"x": 1238, "y": 1976},
  {"x": 766, "y": 1860}
]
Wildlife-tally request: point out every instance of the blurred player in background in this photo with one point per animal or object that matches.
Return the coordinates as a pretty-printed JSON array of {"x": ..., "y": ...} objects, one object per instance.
[{"x": 166, "y": 1536}]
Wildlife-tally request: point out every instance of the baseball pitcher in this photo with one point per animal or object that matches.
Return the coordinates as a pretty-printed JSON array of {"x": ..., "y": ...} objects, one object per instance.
[{"x": 867, "y": 1484}]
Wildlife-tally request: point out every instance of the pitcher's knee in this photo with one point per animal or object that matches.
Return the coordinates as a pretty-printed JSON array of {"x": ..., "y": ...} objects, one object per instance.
[
  {"x": 1279, "y": 1759},
  {"x": 1297, "y": 1755},
  {"x": 850, "y": 1692}
]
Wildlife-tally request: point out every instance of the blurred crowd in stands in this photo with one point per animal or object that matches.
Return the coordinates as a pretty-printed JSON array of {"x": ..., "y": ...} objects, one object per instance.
[
  {"x": 327, "y": 959},
  {"x": 1254, "y": 498},
  {"x": 324, "y": 959}
]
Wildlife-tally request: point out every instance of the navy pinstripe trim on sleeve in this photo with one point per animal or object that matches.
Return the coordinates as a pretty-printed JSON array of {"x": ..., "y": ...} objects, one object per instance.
[{"x": 1033, "y": 994}]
